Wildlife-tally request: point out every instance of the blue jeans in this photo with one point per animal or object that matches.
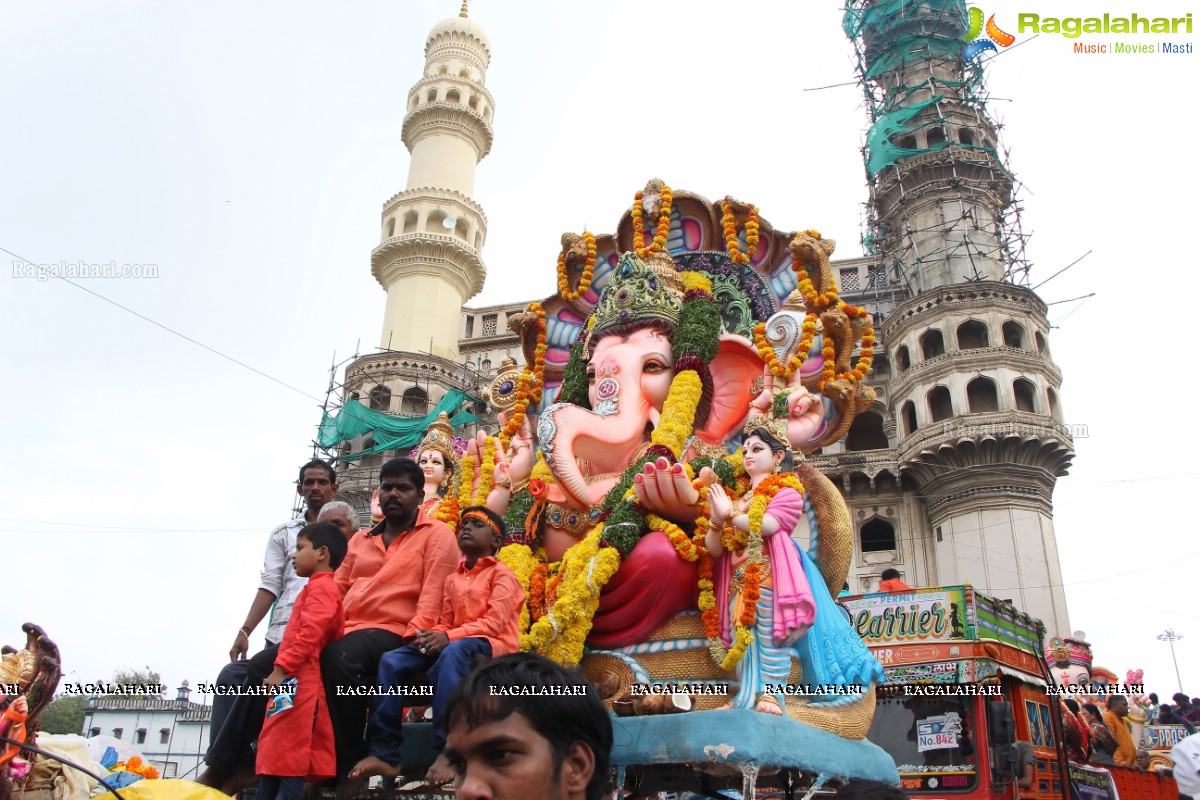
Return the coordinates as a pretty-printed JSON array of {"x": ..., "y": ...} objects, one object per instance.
[
  {"x": 274, "y": 787},
  {"x": 397, "y": 668}
]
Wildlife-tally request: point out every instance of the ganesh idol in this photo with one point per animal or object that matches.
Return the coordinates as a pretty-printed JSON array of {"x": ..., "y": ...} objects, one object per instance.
[{"x": 620, "y": 446}]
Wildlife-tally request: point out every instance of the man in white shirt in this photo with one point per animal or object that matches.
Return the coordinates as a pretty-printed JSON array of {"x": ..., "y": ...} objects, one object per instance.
[
  {"x": 237, "y": 719},
  {"x": 1186, "y": 755}
]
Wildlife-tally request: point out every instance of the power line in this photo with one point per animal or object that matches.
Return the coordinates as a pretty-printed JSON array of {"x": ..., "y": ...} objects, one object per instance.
[{"x": 158, "y": 324}]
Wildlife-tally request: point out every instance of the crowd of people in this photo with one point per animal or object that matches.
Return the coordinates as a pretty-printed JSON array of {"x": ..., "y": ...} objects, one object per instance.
[
  {"x": 1103, "y": 737},
  {"x": 352, "y": 618}
]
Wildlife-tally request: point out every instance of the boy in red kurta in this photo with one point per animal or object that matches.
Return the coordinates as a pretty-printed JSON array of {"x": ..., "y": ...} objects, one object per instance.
[
  {"x": 481, "y": 609},
  {"x": 296, "y": 742}
]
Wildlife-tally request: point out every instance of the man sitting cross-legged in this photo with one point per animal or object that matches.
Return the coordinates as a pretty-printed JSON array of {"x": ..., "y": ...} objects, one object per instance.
[{"x": 480, "y": 610}]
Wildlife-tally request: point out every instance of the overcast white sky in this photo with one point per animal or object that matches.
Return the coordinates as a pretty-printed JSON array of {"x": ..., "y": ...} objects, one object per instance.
[{"x": 246, "y": 151}]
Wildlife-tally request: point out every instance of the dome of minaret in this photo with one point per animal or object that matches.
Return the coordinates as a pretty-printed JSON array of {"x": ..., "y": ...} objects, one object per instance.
[{"x": 461, "y": 24}]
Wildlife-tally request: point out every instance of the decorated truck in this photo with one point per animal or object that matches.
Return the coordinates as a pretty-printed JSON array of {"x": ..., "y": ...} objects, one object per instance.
[
  {"x": 965, "y": 680},
  {"x": 967, "y": 677}
]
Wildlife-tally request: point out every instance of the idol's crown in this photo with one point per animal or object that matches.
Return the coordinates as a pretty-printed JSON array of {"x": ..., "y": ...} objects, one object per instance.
[{"x": 636, "y": 293}]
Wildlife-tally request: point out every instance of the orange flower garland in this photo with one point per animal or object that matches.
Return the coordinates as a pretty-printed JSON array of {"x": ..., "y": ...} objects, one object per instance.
[
  {"x": 537, "y": 591},
  {"x": 585, "y": 280},
  {"x": 729, "y": 222},
  {"x": 664, "y": 225},
  {"x": 768, "y": 354},
  {"x": 529, "y": 385},
  {"x": 684, "y": 546}
]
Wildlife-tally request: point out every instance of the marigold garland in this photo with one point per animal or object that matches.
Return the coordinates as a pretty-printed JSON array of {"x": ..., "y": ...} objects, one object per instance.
[
  {"x": 679, "y": 412},
  {"x": 520, "y": 559},
  {"x": 536, "y": 596},
  {"x": 683, "y": 545},
  {"x": 487, "y": 472},
  {"x": 586, "y": 569},
  {"x": 529, "y": 385},
  {"x": 729, "y": 222},
  {"x": 585, "y": 280},
  {"x": 664, "y": 225},
  {"x": 767, "y": 353},
  {"x": 466, "y": 480}
]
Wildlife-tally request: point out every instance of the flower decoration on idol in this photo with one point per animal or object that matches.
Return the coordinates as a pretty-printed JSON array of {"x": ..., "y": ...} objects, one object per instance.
[
  {"x": 639, "y": 291},
  {"x": 577, "y": 252}
]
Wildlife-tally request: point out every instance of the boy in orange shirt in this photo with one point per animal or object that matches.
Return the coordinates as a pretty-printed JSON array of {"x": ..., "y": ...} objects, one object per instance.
[{"x": 480, "y": 615}]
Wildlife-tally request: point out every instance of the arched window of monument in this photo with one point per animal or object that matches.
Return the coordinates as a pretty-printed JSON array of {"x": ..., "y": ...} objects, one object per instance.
[
  {"x": 453, "y": 96},
  {"x": 932, "y": 344},
  {"x": 1052, "y": 398},
  {"x": 908, "y": 412},
  {"x": 940, "y": 406},
  {"x": 462, "y": 73},
  {"x": 433, "y": 223},
  {"x": 414, "y": 401},
  {"x": 443, "y": 70},
  {"x": 1023, "y": 392},
  {"x": 877, "y": 535},
  {"x": 908, "y": 142},
  {"x": 412, "y": 104},
  {"x": 972, "y": 335},
  {"x": 391, "y": 227},
  {"x": 354, "y": 396},
  {"x": 473, "y": 103},
  {"x": 866, "y": 433},
  {"x": 410, "y": 221},
  {"x": 431, "y": 96},
  {"x": 381, "y": 398},
  {"x": 965, "y": 136},
  {"x": 981, "y": 396},
  {"x": 1040, "y": 340},
  {"x": 902, "y": 362},
  {"x": 936, "y": 136},
  {"x": 1014, "y": 335}
]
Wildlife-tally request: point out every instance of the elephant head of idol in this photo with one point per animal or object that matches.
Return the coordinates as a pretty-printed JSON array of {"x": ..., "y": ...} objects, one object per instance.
[
  {"x": 1070, "y": 659},
  {"x": 623, "y": 372}
]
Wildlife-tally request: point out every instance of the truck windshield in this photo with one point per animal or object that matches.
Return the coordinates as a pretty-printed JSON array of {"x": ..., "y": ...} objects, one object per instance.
[{"x": 931, "y": 740}]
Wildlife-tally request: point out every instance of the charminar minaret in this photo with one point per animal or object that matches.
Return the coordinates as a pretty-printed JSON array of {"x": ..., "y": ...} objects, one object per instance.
[{"x": 428, "y": 257}]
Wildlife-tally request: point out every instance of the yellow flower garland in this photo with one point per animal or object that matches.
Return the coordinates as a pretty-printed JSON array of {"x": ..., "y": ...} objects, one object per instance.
[
  {"x": 487, "y": 472},
  {"x": 586, "y": 569},
  {"x": 679, "y": 412},
  {"x": 683, "y": 545},
  {"x": 520, "y": 559}
]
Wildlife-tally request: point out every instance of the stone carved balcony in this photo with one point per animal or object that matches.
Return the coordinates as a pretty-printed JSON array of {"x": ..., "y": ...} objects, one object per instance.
[{"x": 971, "y": 361}]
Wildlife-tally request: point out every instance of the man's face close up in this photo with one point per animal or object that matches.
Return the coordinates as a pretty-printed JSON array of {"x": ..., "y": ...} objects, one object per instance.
[
  {"x": 398, "y": 498},
  {"x": 316, "y": 488},
  {"x": 508, "y": 760}
]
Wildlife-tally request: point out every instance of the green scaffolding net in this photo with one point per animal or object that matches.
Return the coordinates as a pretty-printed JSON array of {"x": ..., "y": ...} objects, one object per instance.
[{"x": 390, "y": 433}]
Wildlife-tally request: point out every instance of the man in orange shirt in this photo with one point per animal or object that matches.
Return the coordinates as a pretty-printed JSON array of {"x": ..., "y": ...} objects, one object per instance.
[
  {"x": 1114, "y": 718},
  {"x": 391, "y": 583},
  {"x": 480, "y": 618}
]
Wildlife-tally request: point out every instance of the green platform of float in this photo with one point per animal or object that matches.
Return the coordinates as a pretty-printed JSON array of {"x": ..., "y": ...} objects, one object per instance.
[{"x": 716, "y": 739}]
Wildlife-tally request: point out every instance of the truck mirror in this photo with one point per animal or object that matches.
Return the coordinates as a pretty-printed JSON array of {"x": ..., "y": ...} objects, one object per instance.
[
  {"x": 1004, "y": 761},
  {"x": 1000, "y": 723}
]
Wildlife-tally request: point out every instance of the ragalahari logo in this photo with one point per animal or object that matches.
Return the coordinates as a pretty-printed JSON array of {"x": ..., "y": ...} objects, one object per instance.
[{"x": 979, "y": 45}]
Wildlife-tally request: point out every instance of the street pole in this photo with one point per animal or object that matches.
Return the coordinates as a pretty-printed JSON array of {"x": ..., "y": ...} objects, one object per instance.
[{"x": 1170, "y": 636}]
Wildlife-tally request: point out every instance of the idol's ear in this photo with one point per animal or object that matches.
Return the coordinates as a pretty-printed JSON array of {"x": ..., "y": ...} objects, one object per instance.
[{"x": 733, "y": 371}]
